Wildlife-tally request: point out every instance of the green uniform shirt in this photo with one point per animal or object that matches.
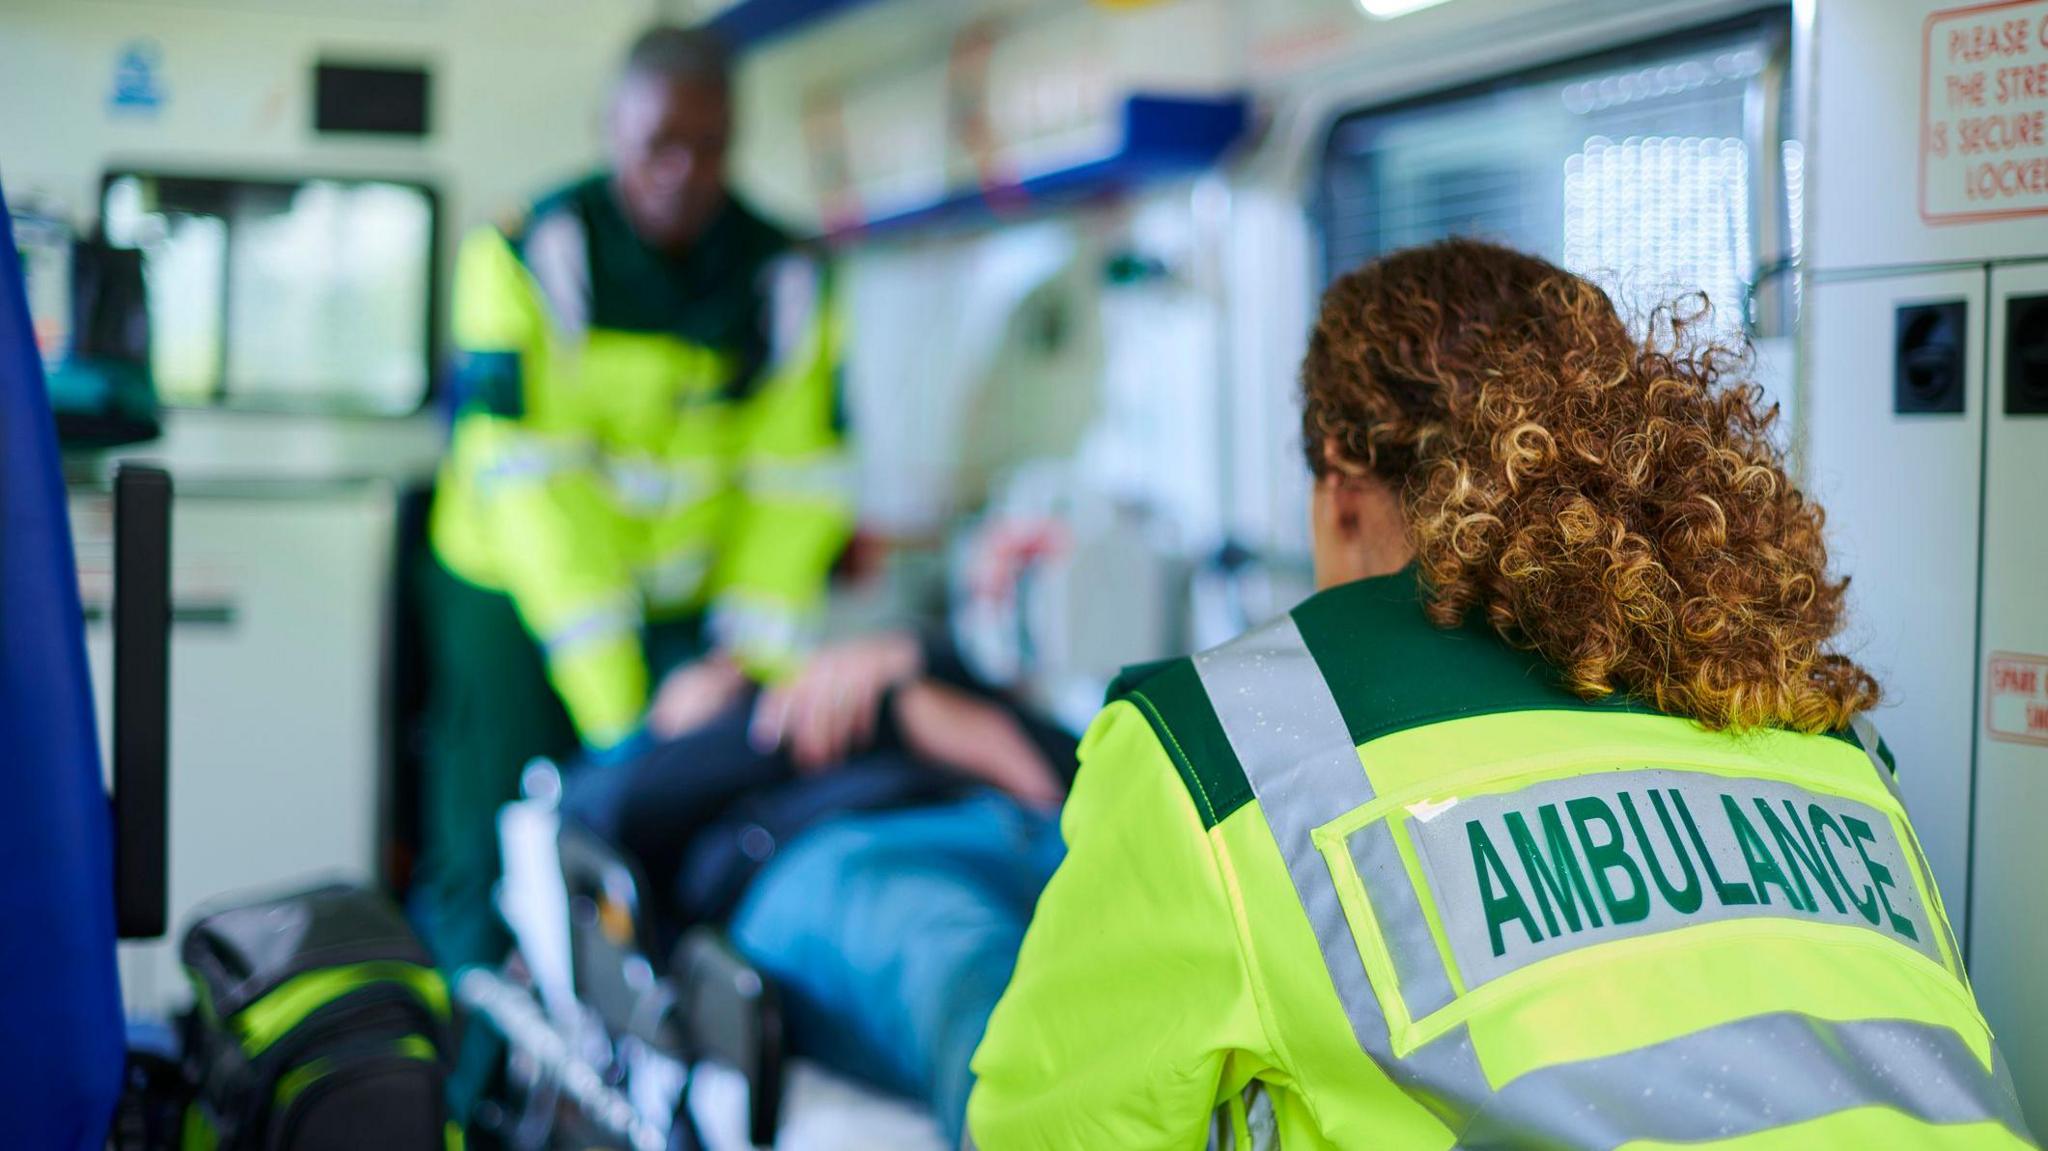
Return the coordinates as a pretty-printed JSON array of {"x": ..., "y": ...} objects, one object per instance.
[
  {"x": 642, "y": 437},
  {"x": 1352, "y": 881}
]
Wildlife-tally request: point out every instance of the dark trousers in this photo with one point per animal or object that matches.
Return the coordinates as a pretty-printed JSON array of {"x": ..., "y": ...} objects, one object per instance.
[
  {"x": 490, "y": 710},
  {"x": 703, "y": 812}
]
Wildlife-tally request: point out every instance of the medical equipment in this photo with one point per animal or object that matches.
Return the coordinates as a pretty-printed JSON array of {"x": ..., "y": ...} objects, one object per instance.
[{"x": 686, "y": 1054}]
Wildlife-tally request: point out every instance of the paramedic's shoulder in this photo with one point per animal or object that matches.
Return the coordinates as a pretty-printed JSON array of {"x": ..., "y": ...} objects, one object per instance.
[
  {"x": 1138, "y": 925},
  {"x": 516, "y": 277},
  {"x": 1169, "y": 698}
]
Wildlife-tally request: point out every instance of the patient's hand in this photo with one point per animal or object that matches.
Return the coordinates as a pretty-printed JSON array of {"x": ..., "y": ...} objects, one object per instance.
[
  {"x": 693, "y": 694},
  {"x": 955, "y": 729},
  {"x": 831, "y": 708}
]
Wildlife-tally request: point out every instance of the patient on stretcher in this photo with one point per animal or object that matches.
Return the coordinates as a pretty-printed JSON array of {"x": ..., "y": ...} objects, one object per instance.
[{"x": 873, "y": 833}]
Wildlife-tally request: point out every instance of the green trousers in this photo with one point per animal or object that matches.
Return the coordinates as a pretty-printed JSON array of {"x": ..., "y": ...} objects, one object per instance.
[{"x": 490, "y": 710}]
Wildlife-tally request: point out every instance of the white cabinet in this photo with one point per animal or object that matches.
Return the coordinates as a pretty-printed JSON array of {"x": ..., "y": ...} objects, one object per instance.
[
  {"x": 1941, "y": 519},
  {"x": 1901, "y": 491},
  {"x": 2009, "y": 907}
]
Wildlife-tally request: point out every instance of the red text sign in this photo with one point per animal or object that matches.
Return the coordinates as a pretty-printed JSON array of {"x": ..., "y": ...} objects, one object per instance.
[
  {"x": 2016, "y": 698},
  {"x": 1984, "y": 113}
]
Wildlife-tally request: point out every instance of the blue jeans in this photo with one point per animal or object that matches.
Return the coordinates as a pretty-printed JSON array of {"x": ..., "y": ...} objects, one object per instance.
[{"x": 893, "y": 934}]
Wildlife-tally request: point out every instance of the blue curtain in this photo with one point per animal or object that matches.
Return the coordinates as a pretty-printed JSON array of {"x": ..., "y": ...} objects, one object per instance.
[{"x": 61, "y": 1042}]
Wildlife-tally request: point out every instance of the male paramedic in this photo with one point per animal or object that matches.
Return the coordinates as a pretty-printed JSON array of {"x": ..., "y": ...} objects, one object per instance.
[
  {"x": 1552, "y": 821},
  {"x": 643, "y": 468}
]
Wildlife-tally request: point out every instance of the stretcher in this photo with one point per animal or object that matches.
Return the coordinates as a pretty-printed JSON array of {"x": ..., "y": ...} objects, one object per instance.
[{"x": 610, "y": 1043}]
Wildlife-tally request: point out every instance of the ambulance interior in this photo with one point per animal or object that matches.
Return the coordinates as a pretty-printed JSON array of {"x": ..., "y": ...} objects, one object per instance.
[{"x": 1080, "y": 244}]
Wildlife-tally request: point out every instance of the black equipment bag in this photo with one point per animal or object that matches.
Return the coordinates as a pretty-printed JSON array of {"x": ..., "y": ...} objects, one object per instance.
[{"x": 320, "y": 1025}]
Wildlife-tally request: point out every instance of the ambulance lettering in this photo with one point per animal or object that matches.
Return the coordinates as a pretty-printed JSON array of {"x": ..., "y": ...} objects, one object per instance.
[{"x": 1523, "y": 876}]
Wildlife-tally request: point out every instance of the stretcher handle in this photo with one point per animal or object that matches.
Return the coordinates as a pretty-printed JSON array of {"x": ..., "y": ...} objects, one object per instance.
[{"x": 141, "y": 751}]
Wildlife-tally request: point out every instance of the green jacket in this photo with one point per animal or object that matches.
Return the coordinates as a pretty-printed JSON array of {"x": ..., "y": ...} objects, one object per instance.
[
  {"x": 642, "y": 438},
  {"x": 1352, "y": 881}
]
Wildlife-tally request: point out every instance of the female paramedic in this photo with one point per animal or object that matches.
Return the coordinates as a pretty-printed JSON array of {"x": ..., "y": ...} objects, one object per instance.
[{"x": 1548, "y": 822}]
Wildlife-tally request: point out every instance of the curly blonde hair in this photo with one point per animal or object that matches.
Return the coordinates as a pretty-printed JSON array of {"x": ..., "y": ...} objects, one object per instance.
[{"x": 1616, "y": 504}]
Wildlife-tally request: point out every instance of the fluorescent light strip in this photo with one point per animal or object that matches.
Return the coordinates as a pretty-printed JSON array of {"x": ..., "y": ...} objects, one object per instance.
[{"x": 1388, "y": 9}]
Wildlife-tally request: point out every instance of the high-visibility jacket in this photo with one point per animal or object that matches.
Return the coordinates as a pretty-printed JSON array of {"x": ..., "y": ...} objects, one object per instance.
[
  {"x": 1352, "y": 881},
  {"x": 642, "y": 438}
]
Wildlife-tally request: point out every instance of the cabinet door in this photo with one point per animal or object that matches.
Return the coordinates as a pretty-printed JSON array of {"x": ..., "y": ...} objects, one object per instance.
[
  {"x": 278, "y": 606},
  {"x": 2009, "y": 920},
  {"x": 1901, "y": 488}
]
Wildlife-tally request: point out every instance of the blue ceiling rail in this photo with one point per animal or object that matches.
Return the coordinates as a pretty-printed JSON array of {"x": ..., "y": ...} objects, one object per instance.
[
  {"x": 1162, "y": 136},
  {"x": 751, "y": 23}
]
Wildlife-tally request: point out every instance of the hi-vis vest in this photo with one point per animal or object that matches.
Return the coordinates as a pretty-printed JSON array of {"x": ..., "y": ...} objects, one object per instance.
[
  {"x": 635, "y": 448},
  {"x": 1459, "y": 907}
]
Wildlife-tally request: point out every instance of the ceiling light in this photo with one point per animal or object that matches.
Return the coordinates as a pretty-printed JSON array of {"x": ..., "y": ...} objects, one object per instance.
[{"x": 1388, "y": 9}]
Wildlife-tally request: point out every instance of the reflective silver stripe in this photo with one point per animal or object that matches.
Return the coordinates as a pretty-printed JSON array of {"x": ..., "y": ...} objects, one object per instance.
[
  {"x": 1302, "y": 766},
  {"x": 1867, "y": 737},
  {"x": 674, "y": 578},
  {"x": 558, "y": 255},
  {"x": 1418, "y": 965},
  {"x": 1260, "y": 1123},
  {"x": 1254, "y": 1106},
  {"x": 656, "y": 486},
  {"x": 749, "y": 625},
  {"x": 1934, "y": 911},
  {"x": 531, "y": 462},
  {"x": 589, "y": 628},
  {"x": 796, "y": 286},
  {"x": 825, "y": 476},
  {"x": 1297, "y": 755},
  {"x": 1744, "y": 1077}
]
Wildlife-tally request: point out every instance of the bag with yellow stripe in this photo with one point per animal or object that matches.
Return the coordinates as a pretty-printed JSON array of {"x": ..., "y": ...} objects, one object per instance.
[{"x": 319, "y": 1023}]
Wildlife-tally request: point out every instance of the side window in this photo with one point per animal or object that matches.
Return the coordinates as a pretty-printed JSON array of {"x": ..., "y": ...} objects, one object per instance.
[
  {"x": 306, "y": 295},
  {"x": 1652, "y": 170}
]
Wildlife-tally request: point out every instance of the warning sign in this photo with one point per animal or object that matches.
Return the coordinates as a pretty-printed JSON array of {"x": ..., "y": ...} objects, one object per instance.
[
  {"x": 1984, "y": 113},
  {"x": 2016, "y": 698}
]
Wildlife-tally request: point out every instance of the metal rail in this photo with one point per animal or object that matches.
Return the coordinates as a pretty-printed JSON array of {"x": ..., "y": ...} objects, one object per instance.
[{"x": 518, "y": 1018}]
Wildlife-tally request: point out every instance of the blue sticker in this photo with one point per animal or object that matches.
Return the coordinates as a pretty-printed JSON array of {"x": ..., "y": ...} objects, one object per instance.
[{"x": 138, "y": 86}]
